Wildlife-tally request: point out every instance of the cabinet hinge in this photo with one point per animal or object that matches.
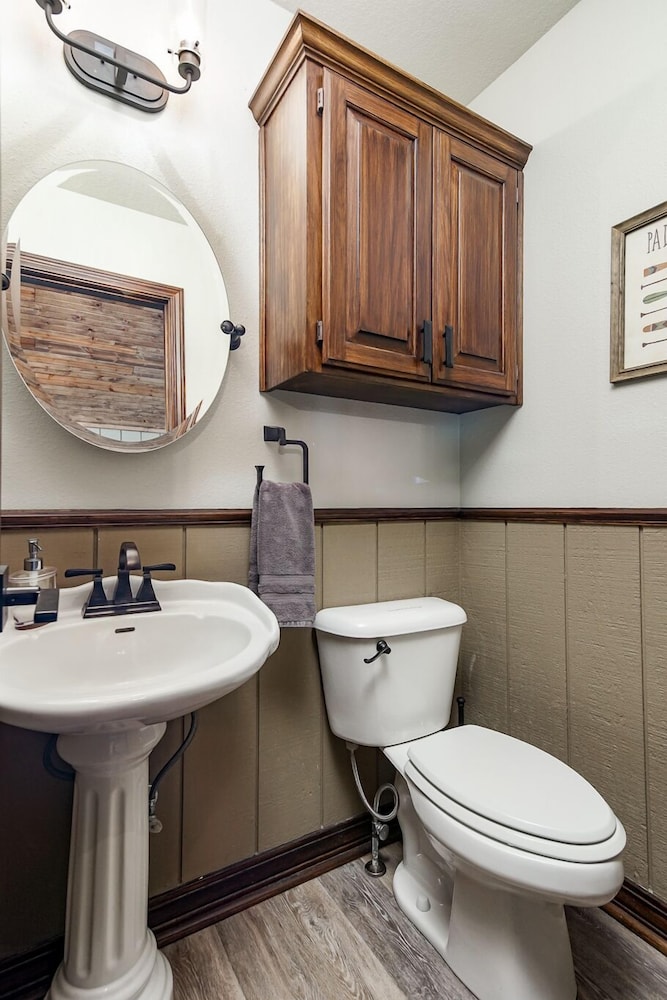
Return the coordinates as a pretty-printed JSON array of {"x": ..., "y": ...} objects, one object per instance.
[
  {"x": 320, "y": 100},
  {"x": 319, "y": 332},
  {"x": 517, "y": 190}
]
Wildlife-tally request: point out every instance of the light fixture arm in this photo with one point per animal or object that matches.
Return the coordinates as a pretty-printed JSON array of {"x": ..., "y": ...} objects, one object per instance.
[{"x": 188, "y": 61}]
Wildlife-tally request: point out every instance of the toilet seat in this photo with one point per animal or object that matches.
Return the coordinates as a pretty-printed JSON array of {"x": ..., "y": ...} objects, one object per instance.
[{"x": 515, "y": 794}]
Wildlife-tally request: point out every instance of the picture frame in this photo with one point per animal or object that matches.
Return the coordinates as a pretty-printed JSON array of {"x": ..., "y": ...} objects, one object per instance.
[{"x": 639, "y": 296}]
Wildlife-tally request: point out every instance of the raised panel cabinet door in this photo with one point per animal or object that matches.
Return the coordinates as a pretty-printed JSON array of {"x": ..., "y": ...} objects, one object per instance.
[
  {"x": 376, "y": 203},
  {"x": 475, "y": 268}
]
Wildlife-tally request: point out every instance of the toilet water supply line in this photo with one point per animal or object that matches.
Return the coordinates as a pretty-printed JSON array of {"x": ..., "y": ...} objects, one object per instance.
[
  {"x": 52, "y": 763},
  {"x": 380, "y": 821}
]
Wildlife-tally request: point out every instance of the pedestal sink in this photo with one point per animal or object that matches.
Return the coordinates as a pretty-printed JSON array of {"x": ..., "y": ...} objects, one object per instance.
[{"x": 108, "y": 687}]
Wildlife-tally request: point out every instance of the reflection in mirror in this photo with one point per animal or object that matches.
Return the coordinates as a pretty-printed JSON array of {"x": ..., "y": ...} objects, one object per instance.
[{"x": 117, "y": 335}]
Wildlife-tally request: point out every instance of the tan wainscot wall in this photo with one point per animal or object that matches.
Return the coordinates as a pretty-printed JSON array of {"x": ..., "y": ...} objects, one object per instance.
[{"x": 565, "y": 646}]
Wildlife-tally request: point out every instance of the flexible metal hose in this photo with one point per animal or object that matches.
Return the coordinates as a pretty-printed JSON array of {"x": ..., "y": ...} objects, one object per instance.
[{"x": 387, "y": 787}]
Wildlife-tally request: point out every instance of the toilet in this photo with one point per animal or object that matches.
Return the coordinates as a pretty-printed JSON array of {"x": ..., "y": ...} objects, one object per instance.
[{"x": 497, "y": 835}]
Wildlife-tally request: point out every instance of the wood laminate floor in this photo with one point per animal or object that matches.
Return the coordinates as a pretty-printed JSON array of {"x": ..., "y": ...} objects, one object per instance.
[{"x": 342, "y": 937}]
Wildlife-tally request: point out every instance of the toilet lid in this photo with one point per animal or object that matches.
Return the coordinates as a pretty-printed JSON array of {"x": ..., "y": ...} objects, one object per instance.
[{"x": 514, "y": 784}]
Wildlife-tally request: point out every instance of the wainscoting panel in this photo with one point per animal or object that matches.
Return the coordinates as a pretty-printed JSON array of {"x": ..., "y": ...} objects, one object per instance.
[
  {"x": 290, "y": 736},
  {"x": 443, "y": 579},
  {"x": 443, "y": 564},
  {"x": 349, "y": 564},
  {"x": 219, "y": 817},
  {"x": 219, "y": 553},
  {"x": 654, "y": 603},
  {"x": 401, "y": 561},
  {"x": 219, "y": 797},
  {"x": 537, "y": 681},
  {"x": 483, "y": 663},
  {"x": 605, "y": 705},
  {"x": 349, "y": 576}
]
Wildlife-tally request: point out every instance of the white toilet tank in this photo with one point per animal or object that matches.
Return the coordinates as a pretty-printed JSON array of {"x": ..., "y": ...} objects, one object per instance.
[{"x": 403, "y": 694}]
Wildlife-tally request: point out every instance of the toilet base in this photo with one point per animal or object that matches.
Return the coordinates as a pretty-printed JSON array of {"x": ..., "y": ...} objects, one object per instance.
[
  {"x": 501, "y": 945},
  {"x": 421, "y": 906},
  {"x": 523, "y": 940}
]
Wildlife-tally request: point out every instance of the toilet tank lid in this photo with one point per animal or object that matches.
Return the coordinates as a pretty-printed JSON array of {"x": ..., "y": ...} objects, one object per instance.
[{"x": 368, "y": 621}]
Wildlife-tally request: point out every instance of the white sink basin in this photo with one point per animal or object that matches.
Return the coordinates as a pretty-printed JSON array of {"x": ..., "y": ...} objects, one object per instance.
[{"x": 77, "y": 675}]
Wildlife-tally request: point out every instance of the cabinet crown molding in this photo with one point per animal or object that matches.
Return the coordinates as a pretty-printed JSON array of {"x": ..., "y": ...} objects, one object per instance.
[{"x": 308, "y": 38}]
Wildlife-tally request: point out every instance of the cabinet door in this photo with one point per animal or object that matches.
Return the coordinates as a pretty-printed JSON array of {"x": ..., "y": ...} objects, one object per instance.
[
  {"x": 376, "y": 203},
  {"x": 475, "y": 268}
]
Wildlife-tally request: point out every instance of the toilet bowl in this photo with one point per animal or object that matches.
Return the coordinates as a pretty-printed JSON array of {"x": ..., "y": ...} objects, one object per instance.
[{"x": 497, "y": 835}]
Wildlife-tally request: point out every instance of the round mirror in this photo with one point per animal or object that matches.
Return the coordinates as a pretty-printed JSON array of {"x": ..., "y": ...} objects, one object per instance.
[{"x": 114, "y": 323}]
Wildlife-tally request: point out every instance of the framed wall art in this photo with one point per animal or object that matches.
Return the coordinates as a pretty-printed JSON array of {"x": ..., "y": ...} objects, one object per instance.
[{"x": 639, "y": 296}]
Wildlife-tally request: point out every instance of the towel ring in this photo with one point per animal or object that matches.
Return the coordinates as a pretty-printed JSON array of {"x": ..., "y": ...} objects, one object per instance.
[{"x": 278, "y": 434}]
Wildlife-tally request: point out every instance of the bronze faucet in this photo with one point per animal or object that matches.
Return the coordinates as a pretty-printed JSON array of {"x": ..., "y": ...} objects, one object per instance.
[
  {"x": 123, "y": 601},
  {"x": 128, "y": 560}
]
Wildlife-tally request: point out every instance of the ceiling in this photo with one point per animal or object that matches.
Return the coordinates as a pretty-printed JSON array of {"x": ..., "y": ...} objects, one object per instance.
[{"x": 456, "y": 46}]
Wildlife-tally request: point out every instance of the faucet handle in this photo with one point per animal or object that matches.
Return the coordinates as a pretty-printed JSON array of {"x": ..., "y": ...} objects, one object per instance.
[
  {"x": 146, "y": 594},
  {"x": 97, "y": 597},
  {"x": 96, "y": 574}
]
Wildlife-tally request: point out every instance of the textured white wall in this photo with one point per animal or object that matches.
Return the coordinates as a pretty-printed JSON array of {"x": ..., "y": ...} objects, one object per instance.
[
  {"x": 591, "y": 96},
  {"x": 203, "y": 147}
]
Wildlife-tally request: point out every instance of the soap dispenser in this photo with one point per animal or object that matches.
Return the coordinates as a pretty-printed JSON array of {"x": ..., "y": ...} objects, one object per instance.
[{"x": 34, "y": 573}]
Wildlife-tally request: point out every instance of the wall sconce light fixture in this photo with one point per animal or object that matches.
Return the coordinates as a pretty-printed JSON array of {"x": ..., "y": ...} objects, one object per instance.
[{"x": 118, "y": 72}]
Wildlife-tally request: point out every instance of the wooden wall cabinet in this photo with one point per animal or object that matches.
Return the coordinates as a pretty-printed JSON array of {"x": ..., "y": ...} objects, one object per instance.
[{"x": 391, "y": 233}]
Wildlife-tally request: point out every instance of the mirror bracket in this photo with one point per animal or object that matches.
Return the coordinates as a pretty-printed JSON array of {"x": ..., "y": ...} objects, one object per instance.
[{"x": 234, "y": 331}]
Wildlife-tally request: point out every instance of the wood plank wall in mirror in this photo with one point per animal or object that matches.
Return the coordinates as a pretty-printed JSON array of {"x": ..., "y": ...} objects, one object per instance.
[{"x": 103, "y": 350}]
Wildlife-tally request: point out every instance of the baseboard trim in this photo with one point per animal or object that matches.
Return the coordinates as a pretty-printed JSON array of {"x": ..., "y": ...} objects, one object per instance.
[
  {"x": 29, "y": 976},
  {"x": 197, "y": 904},
  {"x": 642, "y": 913},
  {"x": 205, "y": 901}
]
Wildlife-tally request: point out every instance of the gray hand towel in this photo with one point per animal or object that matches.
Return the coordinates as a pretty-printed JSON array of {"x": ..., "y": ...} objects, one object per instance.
[{"x": 282, "y": 551}]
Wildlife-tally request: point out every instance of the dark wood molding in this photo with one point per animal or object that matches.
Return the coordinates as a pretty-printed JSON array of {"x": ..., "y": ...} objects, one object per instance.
[
  {"x": 43, "y": 519},
  {"x": 635, "y": 516},
  {"x": 23, "y": 520},
  {"x": 642, "y": 913},
  {"x": 350, "y": 515},
  {"x": 204, "y": 901},
  {"x": 647, "y": 517}
]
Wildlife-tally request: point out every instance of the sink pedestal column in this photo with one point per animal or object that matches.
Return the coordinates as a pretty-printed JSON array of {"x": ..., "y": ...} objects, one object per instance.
[{"x": 110, "y": 954}]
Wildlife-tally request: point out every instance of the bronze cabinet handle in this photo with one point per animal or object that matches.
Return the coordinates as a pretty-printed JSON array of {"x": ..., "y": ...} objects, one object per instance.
[
  {"x": 449, "y": 348},
  {"x": 427, "y": 342}
]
